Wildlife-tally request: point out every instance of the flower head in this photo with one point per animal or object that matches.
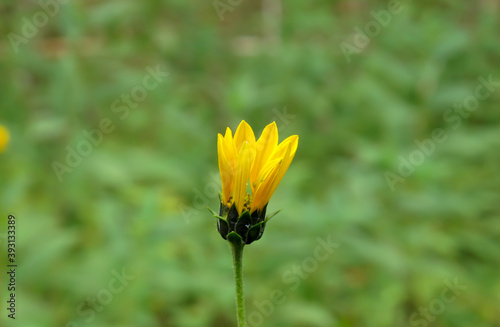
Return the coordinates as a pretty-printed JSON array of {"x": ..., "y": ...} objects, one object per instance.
[
  {"x": 259, "y": 163},
  {"x": 250, "y": 172},
  {"x": 4, "y": 138}
]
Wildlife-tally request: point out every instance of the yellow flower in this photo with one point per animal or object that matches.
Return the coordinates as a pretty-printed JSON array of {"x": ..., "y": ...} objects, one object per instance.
[
  {"x": 263, "y": 163},
  {"x": 4, "y": 137}
]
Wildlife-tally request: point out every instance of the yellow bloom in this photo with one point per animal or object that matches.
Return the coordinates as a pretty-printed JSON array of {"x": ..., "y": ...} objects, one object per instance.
[
  {"x": 263, "y": 163},
  {"x": 4, "y": 137}
]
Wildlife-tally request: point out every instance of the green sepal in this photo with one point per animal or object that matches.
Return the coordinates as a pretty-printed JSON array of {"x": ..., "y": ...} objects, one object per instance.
[
  {"x": 271, "y": 216},
  {"x": 255, "y": 232},
  {"x": 234, "y": 238},
  {"x": 215, "y": 214},
  {"x": 241, "y": 229},
  {"x": 243, "y": 224},
  {"x": 222, "y": 227}
]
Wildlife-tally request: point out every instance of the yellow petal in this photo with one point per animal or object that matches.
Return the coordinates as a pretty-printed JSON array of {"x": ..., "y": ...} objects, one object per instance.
[
  {"x": 230, "y": 148},
  {"x": 229, "y": 133},
  {"x": 243, "y": 166},
  {"x": 244, "y": 133},
  {"x": 265, "y": 145},
  {"x": 287, "y": 160},
  {"x": 284, "y": 154},
  {"x": 280, "y": 150},
  {"x": 266, "y": 179},
  {"x": 266, "y": 170},
  {"x": 226, "y": 172},
  {"x": 4, "y": 137}
]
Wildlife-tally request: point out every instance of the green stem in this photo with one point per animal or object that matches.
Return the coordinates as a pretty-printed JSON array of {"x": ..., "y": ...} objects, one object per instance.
[{"x": 237, "y": 250}]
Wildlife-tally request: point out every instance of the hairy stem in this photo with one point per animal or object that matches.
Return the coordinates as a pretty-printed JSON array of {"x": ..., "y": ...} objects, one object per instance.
[{"x": 237, "y": 250}]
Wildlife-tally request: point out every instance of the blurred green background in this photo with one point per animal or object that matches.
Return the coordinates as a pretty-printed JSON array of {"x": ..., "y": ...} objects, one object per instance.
[{"x": 135, "y": 198}]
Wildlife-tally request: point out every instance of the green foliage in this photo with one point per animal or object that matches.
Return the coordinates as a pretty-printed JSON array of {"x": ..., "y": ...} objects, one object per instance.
[{"x": 138, "y": 200}]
